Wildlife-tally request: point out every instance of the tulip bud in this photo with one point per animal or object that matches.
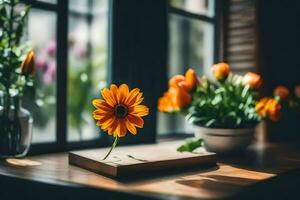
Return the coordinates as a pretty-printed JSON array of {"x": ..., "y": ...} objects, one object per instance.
[
  {"x": 282, "y": 92},
  {"x": 253, "y": 80},
  {"x": 27, "y": 66},
  {"x": 221, "y": 71}
]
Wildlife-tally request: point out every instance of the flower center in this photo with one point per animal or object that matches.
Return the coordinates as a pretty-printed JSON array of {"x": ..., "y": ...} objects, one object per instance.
[{"x": 121, "y": 111}]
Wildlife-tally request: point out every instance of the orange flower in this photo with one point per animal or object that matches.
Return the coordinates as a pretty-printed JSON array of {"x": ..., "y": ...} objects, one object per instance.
[
  {"x": 27, "y": 66},
  {"x": 274, "y": 110},
  {"x": 282, "y": 92},
  {"x": 297, "y": 91},
  {"x": 221, "y": 71},
  {"x": 119, "y": 110},
  {"x": 178, "y": 81},
  {"x": 253, "y": 80},
  {"x": 174, "y": 99},
  {"x": 268, "y": 107},
  {"x": 187, "y": 82}
]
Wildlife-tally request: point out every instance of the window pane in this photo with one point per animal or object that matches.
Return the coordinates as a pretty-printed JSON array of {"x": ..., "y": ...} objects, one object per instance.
[
  {"x": 42, "y": 32},
  {"x": 87, "y": 70},
  {"x": 190, "y": 45},
  {"x": 203, "y": 7}
]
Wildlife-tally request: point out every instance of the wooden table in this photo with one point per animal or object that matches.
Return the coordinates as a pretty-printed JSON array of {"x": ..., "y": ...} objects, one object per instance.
[{"x": 264, "y": 169}]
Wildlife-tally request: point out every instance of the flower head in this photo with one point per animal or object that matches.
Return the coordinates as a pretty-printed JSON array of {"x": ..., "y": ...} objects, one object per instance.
[
  {"x": 253, "y": 80},
  {"x": 221, "y": 71},
  {"x": 27, "y": 66},
  {"x": 268, "y": 107},
  {"x": 282, "y": 92},
  {"x": 51, "y": 48},
  {"x": 120, "y": 110},
  {"x": 177, "y": 96}
]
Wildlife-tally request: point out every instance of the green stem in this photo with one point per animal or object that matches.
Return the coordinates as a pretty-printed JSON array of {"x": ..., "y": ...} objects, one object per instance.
[{"x": 112, "y": 147}]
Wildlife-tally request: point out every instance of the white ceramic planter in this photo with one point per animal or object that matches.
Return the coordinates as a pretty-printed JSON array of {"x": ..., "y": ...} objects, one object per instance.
[{"x": 225, "y": 141}]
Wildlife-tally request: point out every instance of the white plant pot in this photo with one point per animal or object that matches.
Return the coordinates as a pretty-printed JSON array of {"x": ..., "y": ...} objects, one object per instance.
[{"x": 225, "y": 141}]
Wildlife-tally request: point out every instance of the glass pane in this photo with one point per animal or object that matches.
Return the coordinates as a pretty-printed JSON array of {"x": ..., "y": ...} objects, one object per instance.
[
  {"x": 203, "y": 7},
  {"x": 190, "y": 45},
  {"x": 87, "y": 70},
  {"x": 42, "y": 32}
]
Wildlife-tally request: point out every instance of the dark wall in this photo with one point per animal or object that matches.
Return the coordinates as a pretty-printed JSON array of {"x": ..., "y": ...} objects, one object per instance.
[{"x": 279, "y": 41}]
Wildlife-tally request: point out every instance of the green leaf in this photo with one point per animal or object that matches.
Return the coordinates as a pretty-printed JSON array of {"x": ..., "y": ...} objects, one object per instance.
[{"x": 191, "y": 144}]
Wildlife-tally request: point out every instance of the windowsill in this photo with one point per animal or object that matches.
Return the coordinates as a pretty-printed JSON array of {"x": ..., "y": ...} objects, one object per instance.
[{"x": 230, "y": 177}]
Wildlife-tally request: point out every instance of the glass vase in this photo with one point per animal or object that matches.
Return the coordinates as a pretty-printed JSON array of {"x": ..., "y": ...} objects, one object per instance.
[{"x": 16, "y": 128}]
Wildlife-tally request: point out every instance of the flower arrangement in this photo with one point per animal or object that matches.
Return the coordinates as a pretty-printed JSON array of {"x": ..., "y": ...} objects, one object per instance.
[
  {"x": 230, "y": 101},
  {"x": 119, "y": 111}
]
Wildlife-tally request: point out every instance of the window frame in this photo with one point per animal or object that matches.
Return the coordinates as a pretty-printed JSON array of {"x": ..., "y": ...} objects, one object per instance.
[{"x": 216, "y": 21}]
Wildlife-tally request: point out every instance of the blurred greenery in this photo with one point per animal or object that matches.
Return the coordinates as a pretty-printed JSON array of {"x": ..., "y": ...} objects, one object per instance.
[{"x": 11, "y": 51}]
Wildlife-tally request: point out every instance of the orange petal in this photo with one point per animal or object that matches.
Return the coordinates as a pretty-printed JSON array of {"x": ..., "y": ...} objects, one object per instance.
[
  {"x": 137, "y": 100},
  {"x": 139, "y": 110},
  {"x": 136, "y": 121},
  {"x": 173, "y": 82},
  {"x": 191, "y": 79},
  {"x": 121, "y": 129},
  {"x": 101, "y": 104},
  {"x": 98, "y": 114},
  {"x": 131, "y": 96},
  {"x": 179, "y": 97},
  {"x": 105, "y": 125},
  {"x": 122, "y": 93},
  {"x": 106, "y": 94},
  {"x": 130, "y": 127}
]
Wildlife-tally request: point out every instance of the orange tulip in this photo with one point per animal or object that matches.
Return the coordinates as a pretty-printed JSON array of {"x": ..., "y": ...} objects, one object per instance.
[
  {"x": 268, "y": 107},
  {"x": 253, "y": 80},
  {"x": 187, "y": 82},
  {"x": 27, "y": 66},
  {"x": 297, "y": 91},
  {"x": 178, "y": 81},
  {"x": 174, "y": 99},
  {"x": 274, "y": 110},
  {"x": 221, "y": 71},
  {"x": 282, "y": 92}
]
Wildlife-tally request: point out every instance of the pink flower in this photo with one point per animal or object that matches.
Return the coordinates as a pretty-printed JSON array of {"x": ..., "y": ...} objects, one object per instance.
[
  {"x": 82, "y": 52},
  {"x": 51, "y": 48},
  {"x": 50, "y": 74},
  {"x": 41, "y": 64}
]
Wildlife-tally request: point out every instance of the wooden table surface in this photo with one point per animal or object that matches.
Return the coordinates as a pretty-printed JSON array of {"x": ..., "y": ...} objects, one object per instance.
[{"x": 228, "y": 178}]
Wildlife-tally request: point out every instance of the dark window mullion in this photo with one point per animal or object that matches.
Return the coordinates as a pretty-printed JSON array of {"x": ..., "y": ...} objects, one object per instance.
[{"x": 62, "y": 63}]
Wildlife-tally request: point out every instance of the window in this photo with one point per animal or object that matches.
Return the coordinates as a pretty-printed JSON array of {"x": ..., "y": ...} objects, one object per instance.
[
  {"x": 192, "y": 43},
  {"x": 70, "y": 41}
]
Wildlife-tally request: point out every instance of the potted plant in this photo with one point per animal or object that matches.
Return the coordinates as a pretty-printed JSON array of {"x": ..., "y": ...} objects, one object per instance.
[
  {"x": 224, "y": 111},
  {"x": 16, "y": 72}
]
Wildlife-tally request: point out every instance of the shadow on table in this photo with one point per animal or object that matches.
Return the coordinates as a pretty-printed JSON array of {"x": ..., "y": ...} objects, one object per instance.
[{"x": 167, "y": 174}]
